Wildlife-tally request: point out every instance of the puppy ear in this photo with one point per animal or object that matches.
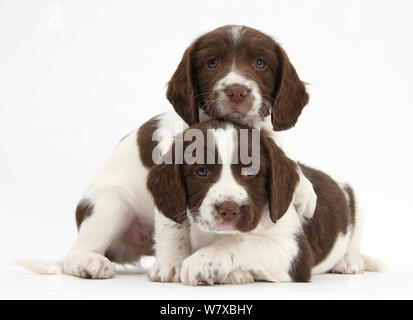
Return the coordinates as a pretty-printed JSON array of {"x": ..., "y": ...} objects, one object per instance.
[
  {"x": 182, "y": 89},
  {"x": 290, "y": 94},
  {"x": 282, "y": 178},
  {"x": 168, "y": 191}
]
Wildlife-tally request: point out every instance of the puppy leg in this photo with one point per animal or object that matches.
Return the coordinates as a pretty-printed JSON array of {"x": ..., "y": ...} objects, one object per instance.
[
  {"x": 353, "y": 261},
  {"x": 109, "y": 218},
  {"x": 172, "y": 246}
]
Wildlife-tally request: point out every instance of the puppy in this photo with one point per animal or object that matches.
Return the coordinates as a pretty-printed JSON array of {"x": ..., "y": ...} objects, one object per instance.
[
  {"x": 233, "y": 73},
  {"x": 224, "y": 221}
]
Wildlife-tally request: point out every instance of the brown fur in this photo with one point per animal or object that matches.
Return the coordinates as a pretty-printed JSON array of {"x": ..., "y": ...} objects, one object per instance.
[
  {"x": 352, "y": 202},
  {"x": 333, "y": 214},
  {"x": 300, "y": 269},
  {"x": 282, "y": 180},
  {"x": 84, "y": 210},
  {"x": 190, "y": 87},
  {"x": 145, "y": 141},
  {"x": 168, "y": 191}
]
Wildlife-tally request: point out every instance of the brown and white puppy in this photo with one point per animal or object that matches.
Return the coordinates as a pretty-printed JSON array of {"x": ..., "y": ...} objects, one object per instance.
[
  {"x": 219, "y": 223},
  {"x": 234, "y": 73},
  {"x": 238, "y": 74}
]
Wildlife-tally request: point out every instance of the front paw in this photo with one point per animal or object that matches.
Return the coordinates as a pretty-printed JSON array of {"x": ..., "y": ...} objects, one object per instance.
[
  {"x": 165, "y": 272},
  {"x": 207, "y": 265},
  {"x": 239, "y": 277},
  {"x": 89, "y": 265},
  {"x": 305, "y": 198}
]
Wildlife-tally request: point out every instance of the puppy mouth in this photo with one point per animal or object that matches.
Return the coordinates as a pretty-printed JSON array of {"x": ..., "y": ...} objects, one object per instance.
[
  {"x": 232, "y": 109},
  {"x": 235, "y": 114},
  {"x": 216, "y": 226},
  {"x": 228, "y": 112}
]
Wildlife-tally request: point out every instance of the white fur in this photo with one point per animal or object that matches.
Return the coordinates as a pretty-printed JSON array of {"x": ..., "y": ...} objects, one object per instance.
[
  {"x": 262, "y": 254},
  {"x": 236, "y": 31},
  {"x": 233, "y": 77},
  {"x": 226, "y": 188},
  {"x": 305, "y": 198},
  {"x": 172, "y": 247}
]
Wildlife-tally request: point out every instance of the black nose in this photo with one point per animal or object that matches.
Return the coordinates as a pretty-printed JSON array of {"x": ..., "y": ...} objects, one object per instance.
[
  {"x": 237, "y": 93},
  {"x": 228, "y": 210}
]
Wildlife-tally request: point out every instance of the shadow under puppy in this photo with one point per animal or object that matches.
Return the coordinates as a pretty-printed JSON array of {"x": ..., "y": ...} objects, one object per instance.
[{"x": 219, "y": 220}]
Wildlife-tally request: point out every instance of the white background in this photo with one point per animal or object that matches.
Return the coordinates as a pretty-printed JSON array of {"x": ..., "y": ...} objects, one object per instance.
[{"x": 76, "y": 76}]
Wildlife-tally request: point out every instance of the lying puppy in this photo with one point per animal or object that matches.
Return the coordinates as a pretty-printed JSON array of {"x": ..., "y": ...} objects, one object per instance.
[
  {"x": 233, "y": 73},
  {"x": 228, "y": 223}
]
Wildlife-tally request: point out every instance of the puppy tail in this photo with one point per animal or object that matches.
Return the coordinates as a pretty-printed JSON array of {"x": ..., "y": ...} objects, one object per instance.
[
  {"x": 40, "y": 265},
  {"x": 373, "y": 264}
]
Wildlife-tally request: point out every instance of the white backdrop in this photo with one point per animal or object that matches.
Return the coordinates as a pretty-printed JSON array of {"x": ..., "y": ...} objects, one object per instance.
[{"x": 76, "y": 76}]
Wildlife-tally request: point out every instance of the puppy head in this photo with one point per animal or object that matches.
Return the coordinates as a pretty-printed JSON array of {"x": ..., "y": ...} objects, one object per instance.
[
  {"x": 230, "y": 194},
  {"x": 238, "y": 74}
]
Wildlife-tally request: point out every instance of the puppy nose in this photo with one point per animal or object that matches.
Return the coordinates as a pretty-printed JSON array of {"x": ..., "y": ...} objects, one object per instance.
[
  {"x": 236, "y": 93},
  {"x": 228, "y": 210}
]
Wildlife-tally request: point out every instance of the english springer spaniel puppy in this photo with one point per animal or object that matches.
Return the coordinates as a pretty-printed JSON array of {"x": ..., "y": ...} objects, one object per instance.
[
  {"x": 233, "y": 73},
  {"x": 221, "y": 222}
]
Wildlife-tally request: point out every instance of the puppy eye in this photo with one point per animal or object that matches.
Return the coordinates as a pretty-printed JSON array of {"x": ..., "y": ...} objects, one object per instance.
[
  {"x": 259, "y": 63},
  {"x": 203, "y": 172},
  {"x": 212, "y": 63}
]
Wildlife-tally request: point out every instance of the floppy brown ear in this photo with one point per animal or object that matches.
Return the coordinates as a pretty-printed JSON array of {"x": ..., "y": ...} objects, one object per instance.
[
  {"x": 182, "y": 89},
  {"x": 290, "y": 94},
  {"x": 168, "y": 191},
  {"x": 282, "y": 178}
]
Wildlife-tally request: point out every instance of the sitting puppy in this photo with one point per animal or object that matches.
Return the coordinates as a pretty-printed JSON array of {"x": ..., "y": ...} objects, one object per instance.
[{"x": 223, "y": 222}]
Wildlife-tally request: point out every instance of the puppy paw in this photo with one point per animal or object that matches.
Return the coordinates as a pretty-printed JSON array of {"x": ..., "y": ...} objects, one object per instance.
[
  {"x": 165, "y": 273},
  {"x": 89, "y": 265},
  {"x": 239, "y": 277},
  {"x": 206, "y": 266},
  {"x": 350, "y": 264},
  {"x": 305, "y": 198}
]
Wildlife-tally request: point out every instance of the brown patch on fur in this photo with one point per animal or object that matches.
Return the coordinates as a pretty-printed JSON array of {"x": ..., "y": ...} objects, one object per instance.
[
  {"x": 84, "y": 210},
  {"x": 282, "y": 180},
  {"x": 145, "y": 141},
  {"x": 166, "y": 186},
  {"x": 352, "y": 202},
  {"x": 300, "y": 270},
  {"x": 182, "y": 89},
  {"x": 332, "y": 214},
  {"x": 291, "y": 96},
  {"x": 190, "y": 87}
]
